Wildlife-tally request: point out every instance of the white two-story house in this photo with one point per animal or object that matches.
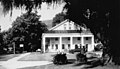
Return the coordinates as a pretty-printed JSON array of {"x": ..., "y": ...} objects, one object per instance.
[{"x": 65, "y": 36}]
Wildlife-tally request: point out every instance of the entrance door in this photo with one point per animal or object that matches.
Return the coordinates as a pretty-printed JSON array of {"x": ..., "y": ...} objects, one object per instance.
[
  {"x": 76, "y": 46},
  {"x": 54, "y": 48},
  {"x": 63, "y": 46}
]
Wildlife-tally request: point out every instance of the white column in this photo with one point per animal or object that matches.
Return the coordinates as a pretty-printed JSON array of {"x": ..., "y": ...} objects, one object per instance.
[
  {"x": 71, "y": 43},
  {"x": 91, "y": 46},
  {"x": 44, "y": 44},
  {"x": 82, "y": 41},
  {"x": 92, "y": 42},
  {"x": 60, "y": 46}
]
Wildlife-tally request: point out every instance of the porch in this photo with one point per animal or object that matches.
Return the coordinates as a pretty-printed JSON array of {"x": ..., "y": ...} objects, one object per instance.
[{"x": 66, "y": 41}]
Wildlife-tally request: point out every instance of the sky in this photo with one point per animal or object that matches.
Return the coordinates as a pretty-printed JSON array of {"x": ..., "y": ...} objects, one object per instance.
[{"x": 47, "y": 13}]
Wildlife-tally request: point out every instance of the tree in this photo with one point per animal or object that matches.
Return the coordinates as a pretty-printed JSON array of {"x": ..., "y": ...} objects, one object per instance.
[
  {"x": 0, "y": 38},
  {"x": 1, "y": 42},
  {"x": 27, "y": 30},
  {"x": 59, "y": 18},
  {"x": 101, "y": 16},
  {"x": 28, "y": 5},
  {"x": 6, "y": 37}
]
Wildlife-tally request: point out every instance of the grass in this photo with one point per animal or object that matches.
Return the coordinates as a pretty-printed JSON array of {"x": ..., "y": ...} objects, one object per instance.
[
  {"x": 52, "y": 66},
  {"x": 70, "y": 65},
  {"x": 1, "y": 67},
  {"x": 8, "y": 56},
  {"x": 36, "y": 56}
]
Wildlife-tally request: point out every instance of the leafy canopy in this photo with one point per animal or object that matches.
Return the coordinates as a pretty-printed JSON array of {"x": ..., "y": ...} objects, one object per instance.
[
  {"x": 26, "y": 29},
  {"x": 28, "y": 5},
  {"x": 59, "y": 18}
]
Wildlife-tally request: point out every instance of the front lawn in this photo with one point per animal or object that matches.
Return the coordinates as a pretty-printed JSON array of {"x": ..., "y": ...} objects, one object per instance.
[
  {"x": 1, "y": 67},
  {"x": 37, "y": 56},
  {"x": 72, "y": 66},
  {"x": 52, "y": 66},
  {"x": 8, "y": 56}
]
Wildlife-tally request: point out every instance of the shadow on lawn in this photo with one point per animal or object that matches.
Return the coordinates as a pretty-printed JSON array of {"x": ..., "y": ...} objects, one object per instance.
[
  {"x": 94, "y": 64},
  {"x": 3, "y": 56},
  {"x": 70, "y": 61},
  {"x": 90, "y": 64}
]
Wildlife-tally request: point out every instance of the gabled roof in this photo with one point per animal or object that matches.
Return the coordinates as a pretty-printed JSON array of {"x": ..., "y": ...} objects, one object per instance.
[
  {"x": 69, "y": 31},
  {"x": 51, "y": 30},
  {"x": 62, "y": 31},
  {"x": 59, "y": 24}
]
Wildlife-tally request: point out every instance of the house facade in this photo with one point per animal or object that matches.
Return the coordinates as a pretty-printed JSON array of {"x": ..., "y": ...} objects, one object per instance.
[{"x": 65, "y": 36}]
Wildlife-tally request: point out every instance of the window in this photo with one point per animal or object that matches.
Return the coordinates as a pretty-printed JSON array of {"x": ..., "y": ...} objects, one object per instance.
[
  {"x": 86, "y": 45},
  {"x": 56, "y": 46},
  {"x": 87, "y": 38},
  {"x": 68, "y": 38},
  {"x": 76, "y": 46},
  {"x": 78, "y": 38},
  {"x": 52, "y": 46},
  {"x": 68, "y": 46},
  {"x": 56, "y": 39},
  {"x": 80, "y": 46},
  {"x": 69, "y": 28},
  {"x": 63, "y": 46},
  {"x": 65, "y": 26}
]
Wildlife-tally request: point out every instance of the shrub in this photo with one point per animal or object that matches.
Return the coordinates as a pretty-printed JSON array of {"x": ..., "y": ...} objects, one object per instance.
[
  {"x": 60, "y": 58},
  {"x": 81, "y": 57}
]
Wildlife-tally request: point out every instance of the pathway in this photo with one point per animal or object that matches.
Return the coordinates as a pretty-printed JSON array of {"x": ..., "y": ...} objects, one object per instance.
[{"x": 14, "y": 63}]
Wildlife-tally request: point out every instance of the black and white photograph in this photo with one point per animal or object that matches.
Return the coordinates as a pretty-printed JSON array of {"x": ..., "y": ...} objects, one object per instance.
[{"x": 59, "y": 34}]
